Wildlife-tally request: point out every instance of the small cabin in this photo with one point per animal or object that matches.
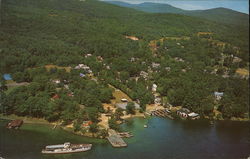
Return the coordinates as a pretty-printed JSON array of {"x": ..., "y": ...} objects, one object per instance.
[
  {"x": 193, "y": 116},
  {"x": 154, "y": 88},
  {"x": 86, "y": 124},
  {"x": 183, "y": 113},
  {"x": 15, "y": 124}
]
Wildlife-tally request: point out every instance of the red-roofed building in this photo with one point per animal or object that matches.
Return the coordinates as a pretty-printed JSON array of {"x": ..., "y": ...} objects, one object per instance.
[{"x": 56, "y": 96}]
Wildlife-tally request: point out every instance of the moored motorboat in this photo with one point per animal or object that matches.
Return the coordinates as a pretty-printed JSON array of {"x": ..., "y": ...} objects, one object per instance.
[{"x": 66, "y": 148}]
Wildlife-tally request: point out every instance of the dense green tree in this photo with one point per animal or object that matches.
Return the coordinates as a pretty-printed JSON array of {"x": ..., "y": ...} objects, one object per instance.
[
  {"x": 77, "y": 126},
  {"x": 93, "y": 128},
  {"x": 130, "y": 109},
  {"x": 112, "y": 124},
  {"x": 93, "y": 114},
  {"x": 118, "y": 114}
]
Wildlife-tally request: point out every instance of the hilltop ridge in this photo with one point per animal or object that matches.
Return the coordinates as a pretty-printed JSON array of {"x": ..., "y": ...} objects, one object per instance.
[{"x": 220, "y": 14}]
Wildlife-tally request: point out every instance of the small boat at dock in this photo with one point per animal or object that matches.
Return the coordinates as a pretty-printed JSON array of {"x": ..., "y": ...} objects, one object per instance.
[
  {"x": 145, "y": 126},
  {"x": 66, "y": 148},
  {"x": 125, "y": 134}
]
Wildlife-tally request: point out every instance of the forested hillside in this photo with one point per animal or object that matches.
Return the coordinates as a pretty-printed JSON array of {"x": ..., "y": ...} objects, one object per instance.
[{"x": 66, "y": 33}]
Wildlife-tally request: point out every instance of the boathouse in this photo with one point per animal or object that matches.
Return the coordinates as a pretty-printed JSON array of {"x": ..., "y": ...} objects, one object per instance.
[{"x": 193, "y": 116}]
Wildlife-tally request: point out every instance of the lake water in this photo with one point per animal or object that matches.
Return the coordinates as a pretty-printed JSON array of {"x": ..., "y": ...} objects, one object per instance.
[{"x": 163, "y": 139}]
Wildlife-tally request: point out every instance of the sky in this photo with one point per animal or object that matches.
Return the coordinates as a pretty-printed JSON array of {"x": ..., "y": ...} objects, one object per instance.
[{"x": 238, "y": 5}]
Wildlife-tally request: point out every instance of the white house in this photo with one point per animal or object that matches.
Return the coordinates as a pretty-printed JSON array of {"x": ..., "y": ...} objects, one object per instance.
[
  {"x": 218, "y": 95},
  {"x": 155, "y": 65},
  {"x": 88, "y": 55},
  {"x": 193, "y": 116},
  {"x": 144, "y": 74},
  {"x": 167, "y": 68},
  {"x": 154, "y": 87},
  {"x": 56, "y": 81}
]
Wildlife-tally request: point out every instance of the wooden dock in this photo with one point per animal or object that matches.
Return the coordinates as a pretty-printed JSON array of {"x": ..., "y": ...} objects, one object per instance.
[
  {"x": 115, "y": 139},
  {"x": 162, "y": 113}
]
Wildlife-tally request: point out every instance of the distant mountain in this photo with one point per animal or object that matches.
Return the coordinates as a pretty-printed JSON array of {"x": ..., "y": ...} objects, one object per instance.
[
  {"x": 150, "y": 7},
  {"x": 222, "y": 15}
]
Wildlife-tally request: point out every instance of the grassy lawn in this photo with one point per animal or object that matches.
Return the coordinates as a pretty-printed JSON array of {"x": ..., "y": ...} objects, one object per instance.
[
  {"x": 48, "y": 67},
  {"x": 25, "y": 119},
  {"x": 118, "y": 94}
]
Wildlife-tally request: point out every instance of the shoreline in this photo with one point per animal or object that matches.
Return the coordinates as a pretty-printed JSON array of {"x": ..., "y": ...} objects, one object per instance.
[{"x": 29, "y": 120}]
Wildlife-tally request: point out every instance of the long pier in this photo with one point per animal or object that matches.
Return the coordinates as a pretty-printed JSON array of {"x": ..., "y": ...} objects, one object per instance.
[{"x": 115, "y": 139}]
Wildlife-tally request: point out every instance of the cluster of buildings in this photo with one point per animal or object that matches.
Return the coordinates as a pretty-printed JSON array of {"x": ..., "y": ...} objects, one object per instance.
[
  {"x": 185, "y": 113},
  {"x": 85, "y": 68},
  {"x": 157, "y": 97}
]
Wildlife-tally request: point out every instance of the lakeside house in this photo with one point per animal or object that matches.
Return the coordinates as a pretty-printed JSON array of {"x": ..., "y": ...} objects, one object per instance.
[
  {"x": 193, "y": 116},
  {"x": 183, "y": 113},
  {"x": 157, "y": 96},
  {"x": 157, "y": 100}
]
